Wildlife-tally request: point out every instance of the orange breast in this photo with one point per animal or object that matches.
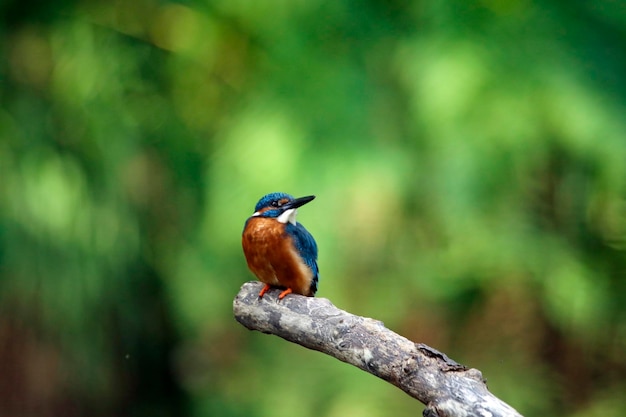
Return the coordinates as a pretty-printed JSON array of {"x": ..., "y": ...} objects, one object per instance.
[{"x": 272, "y": 257}]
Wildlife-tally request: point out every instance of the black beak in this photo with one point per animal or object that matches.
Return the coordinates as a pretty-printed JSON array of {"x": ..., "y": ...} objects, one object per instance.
[{"x": 298, "y": 202}]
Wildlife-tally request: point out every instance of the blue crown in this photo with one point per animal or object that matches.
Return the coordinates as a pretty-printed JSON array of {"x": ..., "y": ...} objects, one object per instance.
[{"x": 267, "y": 199}]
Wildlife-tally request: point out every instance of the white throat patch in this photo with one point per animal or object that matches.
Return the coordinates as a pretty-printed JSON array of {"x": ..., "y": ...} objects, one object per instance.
[{"x": 288, "y": 216}]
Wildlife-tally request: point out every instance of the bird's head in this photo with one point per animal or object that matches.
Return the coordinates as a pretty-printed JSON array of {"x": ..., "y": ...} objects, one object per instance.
[{"x": 280, "y": 206}]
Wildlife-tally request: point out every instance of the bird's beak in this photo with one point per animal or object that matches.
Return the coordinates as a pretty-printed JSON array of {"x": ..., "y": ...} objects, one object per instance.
[{"x": 298, "y": 202}]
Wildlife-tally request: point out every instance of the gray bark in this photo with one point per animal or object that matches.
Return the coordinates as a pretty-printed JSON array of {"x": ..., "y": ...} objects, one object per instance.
[{"x": 447, "y": 388}]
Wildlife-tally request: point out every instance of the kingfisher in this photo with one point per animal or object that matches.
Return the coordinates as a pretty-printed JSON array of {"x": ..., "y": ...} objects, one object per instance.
[{"x": 278, "y": 249}]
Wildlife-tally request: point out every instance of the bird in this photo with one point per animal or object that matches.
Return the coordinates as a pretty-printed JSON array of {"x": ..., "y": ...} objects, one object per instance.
[{"x": 278, "y": 249}]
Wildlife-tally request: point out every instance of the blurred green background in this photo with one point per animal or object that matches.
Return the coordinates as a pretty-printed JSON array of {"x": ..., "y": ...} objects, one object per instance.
[{"x": 469, "y": 162}]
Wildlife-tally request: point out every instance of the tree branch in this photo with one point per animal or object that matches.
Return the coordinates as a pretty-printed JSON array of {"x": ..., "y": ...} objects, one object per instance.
[{"x": 448, "y": 388}]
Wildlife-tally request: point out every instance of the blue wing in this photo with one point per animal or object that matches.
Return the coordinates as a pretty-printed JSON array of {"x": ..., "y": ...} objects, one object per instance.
[{"x": 307, "y": 248}]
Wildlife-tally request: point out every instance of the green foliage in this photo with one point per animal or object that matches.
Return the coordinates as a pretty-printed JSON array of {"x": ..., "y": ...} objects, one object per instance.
[{"x": 469, "y": 163}]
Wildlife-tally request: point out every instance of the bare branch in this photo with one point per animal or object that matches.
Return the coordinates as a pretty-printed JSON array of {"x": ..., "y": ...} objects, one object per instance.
[{"x": 447, "y": 388}]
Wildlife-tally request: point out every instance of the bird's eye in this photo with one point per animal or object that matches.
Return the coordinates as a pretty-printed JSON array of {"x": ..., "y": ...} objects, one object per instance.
[{"x": 279, "y": 203}]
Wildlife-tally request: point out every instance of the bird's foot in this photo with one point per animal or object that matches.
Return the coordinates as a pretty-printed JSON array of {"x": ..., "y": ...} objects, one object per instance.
[
  {"x": 264, "y": 290},
  {"x": 284, "y": 293}
]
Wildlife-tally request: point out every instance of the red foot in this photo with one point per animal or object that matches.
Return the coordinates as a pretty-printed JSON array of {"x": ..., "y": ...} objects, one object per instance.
[
  {"x": 264, "y": 290},
  {"x": 284, "y": 293}
]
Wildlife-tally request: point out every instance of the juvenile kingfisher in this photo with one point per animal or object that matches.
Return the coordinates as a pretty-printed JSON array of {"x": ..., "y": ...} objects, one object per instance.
[{"x": 279, "y": 250}]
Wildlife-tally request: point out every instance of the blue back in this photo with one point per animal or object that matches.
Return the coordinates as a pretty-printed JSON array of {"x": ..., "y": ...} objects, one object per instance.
[{"x": 307, "y": 248}]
